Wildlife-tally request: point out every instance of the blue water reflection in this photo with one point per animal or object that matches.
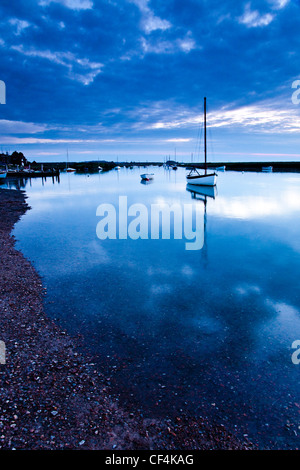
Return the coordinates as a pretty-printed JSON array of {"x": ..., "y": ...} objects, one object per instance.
[{"x": 204, "y": 332}]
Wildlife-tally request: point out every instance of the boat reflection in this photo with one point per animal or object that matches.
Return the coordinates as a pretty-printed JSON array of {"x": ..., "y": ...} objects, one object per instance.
[
  {"x": 146, "y": 181},
  {"x": 201, "y": 192}
]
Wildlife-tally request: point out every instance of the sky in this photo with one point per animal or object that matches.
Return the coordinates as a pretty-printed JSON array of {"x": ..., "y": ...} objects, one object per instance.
[{"x": 124, "y": 80}]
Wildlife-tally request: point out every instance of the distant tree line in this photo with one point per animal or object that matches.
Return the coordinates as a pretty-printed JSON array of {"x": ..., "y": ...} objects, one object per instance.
[{"x": 16, "y": 158}]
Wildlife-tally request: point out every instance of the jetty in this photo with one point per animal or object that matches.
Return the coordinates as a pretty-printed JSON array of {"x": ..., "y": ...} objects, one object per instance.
[{"x": 32, "y": 174}]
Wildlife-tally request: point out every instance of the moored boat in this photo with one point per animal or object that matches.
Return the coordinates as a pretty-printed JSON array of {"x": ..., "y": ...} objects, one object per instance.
[
  {"x": 207, "y": 179},
  {"x": 147, "y": 176},
  {"x": 195, "y": 178},
  {"x": 68, "y": 169}
]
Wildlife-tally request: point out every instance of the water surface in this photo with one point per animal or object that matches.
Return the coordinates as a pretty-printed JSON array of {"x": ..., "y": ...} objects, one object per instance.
[{"x": 206, "y": 332}]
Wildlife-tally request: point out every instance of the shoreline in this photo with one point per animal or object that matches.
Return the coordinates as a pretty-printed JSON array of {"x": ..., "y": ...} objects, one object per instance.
[
  {"x": 52, "y": 397},
  {"x": 53, "y": 169}
]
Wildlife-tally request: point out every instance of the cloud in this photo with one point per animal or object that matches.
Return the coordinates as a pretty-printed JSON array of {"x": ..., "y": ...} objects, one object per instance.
[
  {"x": 72, "y": 4},
  {"x": 185, "y": 45},
  {"x": 36, "y": 140},
  {"x": 150, "y": 22},
  {"x": 279, "y": 4},
  {"x": 253, "y": 19},
  {"x": 21, "y": 25},
  {"x": 263, "y": 117},
  {"x": 82, "y": 70},
  {"x": 178, "y": 140},
  {"x": 19, "y": 127}
]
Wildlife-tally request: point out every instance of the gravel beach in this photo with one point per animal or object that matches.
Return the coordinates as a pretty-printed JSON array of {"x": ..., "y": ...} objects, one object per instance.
[{"x": 51, "y": 396}]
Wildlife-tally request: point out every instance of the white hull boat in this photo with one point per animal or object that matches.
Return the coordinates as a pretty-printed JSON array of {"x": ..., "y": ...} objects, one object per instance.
[
  {"x": 69, "y": 169},
  {"x": 147, "y": 176},
  {"x": 202, "y": 180}
]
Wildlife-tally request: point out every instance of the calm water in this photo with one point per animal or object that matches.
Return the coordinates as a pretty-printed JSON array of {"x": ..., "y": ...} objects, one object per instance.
[{"x": 207, "y": 332}]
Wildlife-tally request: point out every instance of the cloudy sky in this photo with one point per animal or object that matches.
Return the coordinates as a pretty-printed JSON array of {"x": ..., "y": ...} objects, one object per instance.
[{"x": 125, "y": 79}]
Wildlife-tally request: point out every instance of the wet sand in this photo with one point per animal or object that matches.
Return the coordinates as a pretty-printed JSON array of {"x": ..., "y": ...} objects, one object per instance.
[{"x": 51, "y": 396}]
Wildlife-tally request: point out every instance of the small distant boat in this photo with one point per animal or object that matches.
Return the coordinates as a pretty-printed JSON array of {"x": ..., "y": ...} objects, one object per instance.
[
  {"x": 100, "y": 168},
  {"x": 3, "y": 174},
  {"x": 68, "y": 169},
  {"x": 194, "y": 177},
  {"x": 221, "y": 168},
  {"x": 147, "y": 176},
  {"x": 117, "y": 168},
  {"x": 267, "y": 169},
  {"x": 174, "y": 167}
]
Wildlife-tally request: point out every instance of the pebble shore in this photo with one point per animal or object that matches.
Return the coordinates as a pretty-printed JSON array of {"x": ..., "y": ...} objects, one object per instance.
[{"x": 51, "y": 396}]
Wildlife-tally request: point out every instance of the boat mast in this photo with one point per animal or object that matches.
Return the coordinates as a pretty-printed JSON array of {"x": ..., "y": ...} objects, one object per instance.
[{"x": 205, "y": 145}]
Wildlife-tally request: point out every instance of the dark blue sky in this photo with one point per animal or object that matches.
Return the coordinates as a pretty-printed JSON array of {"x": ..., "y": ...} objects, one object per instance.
[{"x": 126, "y": 78}]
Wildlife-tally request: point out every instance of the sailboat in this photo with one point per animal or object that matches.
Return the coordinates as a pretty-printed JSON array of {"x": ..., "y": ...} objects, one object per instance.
[
  {"x": 194, "y": 177},
  {"x": 68, "y": 169},
  {"x": 174, "y": 167},
  {"x": 147, "y": 176}
]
